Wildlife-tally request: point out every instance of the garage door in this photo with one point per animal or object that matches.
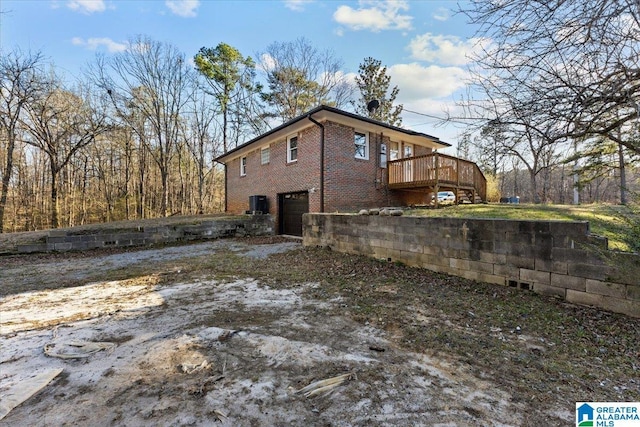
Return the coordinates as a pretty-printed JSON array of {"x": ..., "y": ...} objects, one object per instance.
[{"x": 292, "y": 206}]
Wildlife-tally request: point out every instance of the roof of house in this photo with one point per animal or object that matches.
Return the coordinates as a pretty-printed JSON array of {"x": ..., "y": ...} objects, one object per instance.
[{"x": 324, "y": 112}]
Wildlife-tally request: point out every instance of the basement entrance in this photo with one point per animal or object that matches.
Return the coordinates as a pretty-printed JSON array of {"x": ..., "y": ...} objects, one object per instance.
[{"x": 291, "y": 206}]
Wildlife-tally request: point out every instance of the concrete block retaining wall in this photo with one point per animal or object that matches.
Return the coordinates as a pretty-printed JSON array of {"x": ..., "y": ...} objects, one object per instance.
[
  {"x": 549, "y": 257},
  {"x": 68, "y": 240}
]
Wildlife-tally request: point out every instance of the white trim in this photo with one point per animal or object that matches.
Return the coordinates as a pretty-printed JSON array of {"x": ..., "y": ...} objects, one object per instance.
[
  {"x": 243, "y": 166},
  {"x": 266, "y": 150},
  {"x": 366, "y": 145},
  {"x": 289, "y": 150}
]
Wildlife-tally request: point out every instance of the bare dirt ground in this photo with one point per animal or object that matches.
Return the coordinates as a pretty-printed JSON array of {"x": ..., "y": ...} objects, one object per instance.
[{"x": 230, "y": 332}]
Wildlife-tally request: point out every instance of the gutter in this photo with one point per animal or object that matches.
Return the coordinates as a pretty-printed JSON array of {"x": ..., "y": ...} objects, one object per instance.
[{"x": 317, "y": 123}]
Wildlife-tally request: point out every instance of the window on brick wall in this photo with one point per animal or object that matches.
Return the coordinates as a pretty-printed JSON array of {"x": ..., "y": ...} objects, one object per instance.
[
  {"x": 265, "y": 156},
  {"x": 292, "y": 149},
  {"x": 383, "y": 155},
  {"x": 243, "y": 166},
  {"x": 394, "y": 151},
  {"x": 362, "y": 145}
]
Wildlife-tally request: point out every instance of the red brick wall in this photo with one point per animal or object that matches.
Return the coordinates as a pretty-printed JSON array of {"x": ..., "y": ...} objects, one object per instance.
[
  {"x": 277, "y": 176},
  {"x": 350, "y": 184}
]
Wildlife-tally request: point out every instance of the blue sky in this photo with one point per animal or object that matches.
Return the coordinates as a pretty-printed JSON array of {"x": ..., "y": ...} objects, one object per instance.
[{"x": 423, "y": 43}]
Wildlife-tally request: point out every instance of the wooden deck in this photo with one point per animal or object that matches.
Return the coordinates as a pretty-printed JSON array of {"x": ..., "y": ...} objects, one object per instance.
[{"x": 438, "y": 172}]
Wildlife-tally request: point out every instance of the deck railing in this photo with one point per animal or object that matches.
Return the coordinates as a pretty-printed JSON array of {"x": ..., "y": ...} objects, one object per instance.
[{"x": 437, "y": 170}]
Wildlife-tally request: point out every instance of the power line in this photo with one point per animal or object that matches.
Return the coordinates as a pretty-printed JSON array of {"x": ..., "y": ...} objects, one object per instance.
[{"x": 456, "y": 120}]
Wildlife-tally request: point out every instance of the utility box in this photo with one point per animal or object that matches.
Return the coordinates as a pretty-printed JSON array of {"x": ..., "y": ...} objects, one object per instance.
[{"x": 258, "y": 205}]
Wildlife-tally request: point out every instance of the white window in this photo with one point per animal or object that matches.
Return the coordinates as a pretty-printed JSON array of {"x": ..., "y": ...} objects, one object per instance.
[
  {"x": 383, "y": 155},
  {"x": 265, "y": 156},
  {"x": 292, "y": 149},
  {"x": 362, "y": 145},
  {"x": 394, "y": 151},
  {"x": 408, "y": 151},
  {"x": 243, "y": 166}
]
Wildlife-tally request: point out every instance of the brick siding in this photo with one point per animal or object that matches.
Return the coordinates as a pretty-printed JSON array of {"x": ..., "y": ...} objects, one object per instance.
[{"x": 350, "y": 184}]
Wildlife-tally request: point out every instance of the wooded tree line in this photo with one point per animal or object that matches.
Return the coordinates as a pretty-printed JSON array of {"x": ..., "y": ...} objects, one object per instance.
[
  {"x": 556, "y": 86},
  {"x": 555, "y": 98},
  {"x": 137, "y": 135}
]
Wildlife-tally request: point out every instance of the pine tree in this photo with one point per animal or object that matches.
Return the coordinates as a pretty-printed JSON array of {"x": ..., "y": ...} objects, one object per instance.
[{"x": 373, "y": 83}]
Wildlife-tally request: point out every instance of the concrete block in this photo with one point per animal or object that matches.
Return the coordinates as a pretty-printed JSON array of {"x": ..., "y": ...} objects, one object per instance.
[
  {"x": 559, "y": 267},
  {"x": 605, "y": 288},
  {"x": 521, "y": 262},
  {"x": 487, "y": 256},
  {"x": 543, "y": 264},
  {"x": 568, "y": 282},
  {"x": 460, "y": 264},
  {"x": 617, "y": 305},
  {"x": 569, "y": 255},
  {"x": 491, "y": 278},
  {"x": 568, "y": 228},
  {"x": 534, "y": 276},
  {"x": 410, "y": 258},
  {"x": 481, "y": 267},
  {"x": 436, "y": 260},
  {"x": 549, "y": 290},
  {"x": 438, "y": 268},
  {"x": 468, "y": 274},
  {"x": 56, "y": 239},
  {"x": 506, "y": 271},
  {"x": 29, "y": 249},
  {"x": 64, "y": 246},
  {"x": 633, "y": 292},
  {"x": 589, "y": 271}
]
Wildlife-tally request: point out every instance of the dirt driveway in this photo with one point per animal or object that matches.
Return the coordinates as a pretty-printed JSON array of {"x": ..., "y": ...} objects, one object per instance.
[{"x": 239, "y": 332}]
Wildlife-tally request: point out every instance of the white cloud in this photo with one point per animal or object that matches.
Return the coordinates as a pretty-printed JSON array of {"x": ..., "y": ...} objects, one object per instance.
[
  {"x": 374, "y": 16},
  {"x": 94, "y": 43},
  {"x": 87, "y": 6},
  {"x": 267, "y": 63},
  {"x": 297, "y": 5},
  {"x": 184, "y": 8},
  {"x": 441, "y": 14},
  {"x": 448, "y": 50},
  {"x": 417, "y": 82}
]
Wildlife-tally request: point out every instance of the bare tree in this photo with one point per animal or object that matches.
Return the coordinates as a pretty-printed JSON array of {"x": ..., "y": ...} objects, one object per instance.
[
  {"x": 60, "y": 122},
  {"x": 149, "y": 85},
  {"x": 19, "y": 82},
  {"x": 300, "y": 77},
  {"x": 200, "y": 135},
  {"x": 580, "y": 61}
]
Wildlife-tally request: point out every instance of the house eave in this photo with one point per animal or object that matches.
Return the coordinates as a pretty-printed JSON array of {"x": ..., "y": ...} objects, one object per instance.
[{"x": 325, "y": 113}]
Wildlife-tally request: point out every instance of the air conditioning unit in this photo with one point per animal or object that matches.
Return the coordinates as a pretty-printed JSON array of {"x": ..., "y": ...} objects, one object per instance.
[{"x": 258, "y": 205}]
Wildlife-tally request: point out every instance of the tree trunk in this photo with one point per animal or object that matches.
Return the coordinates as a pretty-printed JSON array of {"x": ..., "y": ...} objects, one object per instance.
[
  {"x": 54, "y": 196},
  {"x": 6, "y": 178},
  {"x": 623, "y": 176}
]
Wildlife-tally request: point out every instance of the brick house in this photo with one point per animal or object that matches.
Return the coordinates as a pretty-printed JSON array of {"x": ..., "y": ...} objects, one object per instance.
[{"x": 330, "y": 160}]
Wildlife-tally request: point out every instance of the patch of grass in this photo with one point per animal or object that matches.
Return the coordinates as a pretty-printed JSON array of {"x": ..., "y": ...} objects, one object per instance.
[{"x": 619, "y": 224}]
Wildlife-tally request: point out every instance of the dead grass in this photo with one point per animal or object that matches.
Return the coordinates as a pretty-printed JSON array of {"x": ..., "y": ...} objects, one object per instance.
[{"x": 543, "y": 348}]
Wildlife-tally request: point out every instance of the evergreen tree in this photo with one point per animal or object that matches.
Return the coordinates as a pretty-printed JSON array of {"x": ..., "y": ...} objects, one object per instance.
[
  {"x": 228, "y": 75},
  {"x": 373, "y": 83}
]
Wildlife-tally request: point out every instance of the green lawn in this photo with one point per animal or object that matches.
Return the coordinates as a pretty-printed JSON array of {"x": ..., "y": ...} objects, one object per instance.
[{"x": 620, "y": 224}]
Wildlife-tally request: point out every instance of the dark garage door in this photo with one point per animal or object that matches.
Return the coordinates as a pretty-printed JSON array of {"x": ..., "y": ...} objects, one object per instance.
[{"x": 292, "y": 206}]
